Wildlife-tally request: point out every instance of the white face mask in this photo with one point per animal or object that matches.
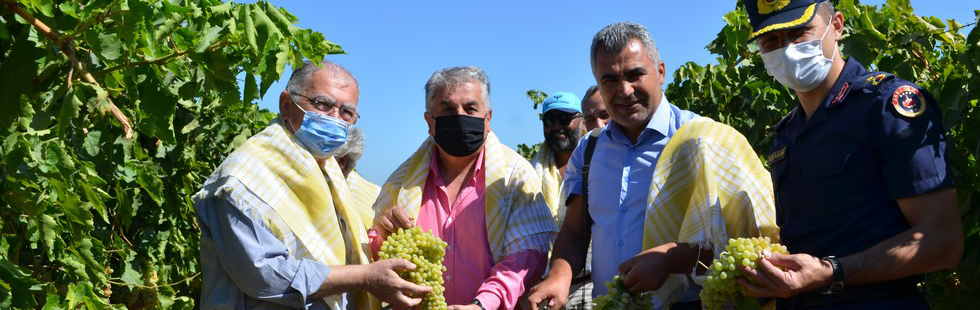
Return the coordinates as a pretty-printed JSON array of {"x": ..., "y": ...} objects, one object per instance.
[{"x": 802, "y": 66}]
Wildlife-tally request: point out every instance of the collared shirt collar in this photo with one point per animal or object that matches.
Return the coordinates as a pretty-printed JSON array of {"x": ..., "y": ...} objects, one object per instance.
[{"x": 659, "y": 123}]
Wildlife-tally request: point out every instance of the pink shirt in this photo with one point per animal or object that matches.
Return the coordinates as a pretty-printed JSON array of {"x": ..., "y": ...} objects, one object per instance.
[{"x": 470, "y": 270}]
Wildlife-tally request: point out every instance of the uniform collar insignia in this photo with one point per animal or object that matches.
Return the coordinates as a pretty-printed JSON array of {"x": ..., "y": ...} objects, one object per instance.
[{"x": 841, "y": 94}]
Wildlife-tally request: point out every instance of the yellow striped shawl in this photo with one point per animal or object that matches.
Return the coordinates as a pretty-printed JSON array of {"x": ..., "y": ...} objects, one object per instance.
[
  {"x": 516, "y": 214},
  {"x": 708, "y": 185},
  {"x": 364, "y": 194},
  {"x": 273, "y": 165},
  {"x": 547, "y": 169}
]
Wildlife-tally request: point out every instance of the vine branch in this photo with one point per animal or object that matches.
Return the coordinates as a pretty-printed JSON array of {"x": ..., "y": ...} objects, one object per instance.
[
  {"x": 159, "y": 61},
  {"x": 98, "y": 19},
  {"x": 155, "y": 286},
  {"x": 64, "y": 46}
]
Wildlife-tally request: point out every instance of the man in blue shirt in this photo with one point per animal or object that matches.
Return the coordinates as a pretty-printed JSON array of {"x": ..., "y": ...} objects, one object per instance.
[
  {"x": 863, "y": 191},
  {"x": 630, "y": 75}
]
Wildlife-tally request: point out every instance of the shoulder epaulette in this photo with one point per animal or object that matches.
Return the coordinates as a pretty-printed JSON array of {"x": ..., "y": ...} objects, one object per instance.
[{"x": 871, "y": 81}]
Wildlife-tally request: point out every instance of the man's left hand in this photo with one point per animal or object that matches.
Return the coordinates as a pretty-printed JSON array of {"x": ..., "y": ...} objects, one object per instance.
[
  {"x": 803, "y": 273},
  {"x": 646, "y": 271},
  {"x": 464, "y": 307}
]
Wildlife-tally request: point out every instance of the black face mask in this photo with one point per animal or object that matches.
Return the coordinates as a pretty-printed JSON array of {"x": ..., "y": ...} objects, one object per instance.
[{"x": 459, "y": 135}]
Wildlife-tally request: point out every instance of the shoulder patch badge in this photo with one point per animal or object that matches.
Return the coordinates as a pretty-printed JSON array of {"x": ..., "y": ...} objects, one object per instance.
[
  {"x": 769, "y": 6},
  {"x": 874, "y": 80},
  {"x": 908, "y": 101}
]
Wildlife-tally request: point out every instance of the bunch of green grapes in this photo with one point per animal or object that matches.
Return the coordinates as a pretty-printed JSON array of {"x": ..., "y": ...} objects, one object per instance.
[
  {"x": 720, "y": 287},
  {"x": 619, "y": 298},
  {"x": 426, "y": 252}
]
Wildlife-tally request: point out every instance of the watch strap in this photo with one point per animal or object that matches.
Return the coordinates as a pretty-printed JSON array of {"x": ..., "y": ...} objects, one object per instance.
[
  {"x": 837, "y": 279},
  {"x": 479, "y": 304}
]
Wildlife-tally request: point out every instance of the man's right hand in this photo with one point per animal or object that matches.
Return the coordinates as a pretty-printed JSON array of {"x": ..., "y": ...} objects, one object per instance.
[
  {"x": 553, "y": 291},
  {"x": 390, "y": 221},
  {"x": 383, "y": 282}
]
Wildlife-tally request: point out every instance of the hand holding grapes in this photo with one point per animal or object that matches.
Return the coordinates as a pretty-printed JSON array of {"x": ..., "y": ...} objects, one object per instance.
[
  {"x": 384, "y": 282},
  {"x": 803, "y": 273},
  {"x": 391, "y": 220},
  {"x": 646, "y": 271},
  {"x": 550, "y": 290}
]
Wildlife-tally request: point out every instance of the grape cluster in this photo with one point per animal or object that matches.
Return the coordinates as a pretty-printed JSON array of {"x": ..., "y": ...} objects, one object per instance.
[
  {"x": 619, "y": 298},
  {"x": 720, "y": 287},
  {"x": 426, "y": 252}
]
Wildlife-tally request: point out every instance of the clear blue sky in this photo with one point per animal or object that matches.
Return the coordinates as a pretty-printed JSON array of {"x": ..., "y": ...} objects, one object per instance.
[{"x": 394, "y": 46}]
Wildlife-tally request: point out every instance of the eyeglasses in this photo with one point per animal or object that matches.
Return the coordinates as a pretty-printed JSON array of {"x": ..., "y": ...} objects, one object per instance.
[
  {"x": 327, "y": 105},
  {"x": 562, "y": 119}
]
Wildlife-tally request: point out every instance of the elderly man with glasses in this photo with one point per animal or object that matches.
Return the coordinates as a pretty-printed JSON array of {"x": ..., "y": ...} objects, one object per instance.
[{"x": 279, "y": 228}]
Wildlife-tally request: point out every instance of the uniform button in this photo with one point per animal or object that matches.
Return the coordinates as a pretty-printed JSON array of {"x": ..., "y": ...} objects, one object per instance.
[
  {"x": 623, "y": 210},
  {"x": 621, "y": 242},
  {"x": 449, "y": 247},
  {"x": 448, "y": 278}
]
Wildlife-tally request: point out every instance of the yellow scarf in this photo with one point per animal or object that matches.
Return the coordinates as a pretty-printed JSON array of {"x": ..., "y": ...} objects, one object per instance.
[
  {"x": 516, "y": 215},
  {"x": 364, "y": 193},
  {"x": 547, "y": 168},
  {"x": 273, "y": 165},
  {"x": 708, "y": 185}
]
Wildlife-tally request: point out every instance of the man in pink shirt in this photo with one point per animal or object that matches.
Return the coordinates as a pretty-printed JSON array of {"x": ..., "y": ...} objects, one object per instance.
[{"x": 473, "y": 192}]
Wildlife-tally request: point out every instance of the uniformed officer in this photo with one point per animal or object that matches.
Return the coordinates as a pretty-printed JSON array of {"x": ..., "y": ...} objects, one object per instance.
[{"x": 864, "y": 192}]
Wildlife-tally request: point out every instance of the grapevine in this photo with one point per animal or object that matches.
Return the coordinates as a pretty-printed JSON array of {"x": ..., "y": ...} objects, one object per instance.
[{"x": 426, "y": 252}]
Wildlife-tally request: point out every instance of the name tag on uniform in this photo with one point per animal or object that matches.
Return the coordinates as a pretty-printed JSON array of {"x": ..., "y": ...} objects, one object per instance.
[{"x": 776, "y": 156}]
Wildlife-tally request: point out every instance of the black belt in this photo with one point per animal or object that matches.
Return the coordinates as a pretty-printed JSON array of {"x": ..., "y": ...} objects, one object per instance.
[{"x": 901, "y": 288}]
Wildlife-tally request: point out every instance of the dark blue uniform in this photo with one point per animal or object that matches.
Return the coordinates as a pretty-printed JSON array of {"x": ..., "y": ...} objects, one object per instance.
[{"x": 874, "y": 139}]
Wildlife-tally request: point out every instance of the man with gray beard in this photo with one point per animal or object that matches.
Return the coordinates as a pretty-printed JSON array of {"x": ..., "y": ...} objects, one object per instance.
[{"x": 562, "y": 122}]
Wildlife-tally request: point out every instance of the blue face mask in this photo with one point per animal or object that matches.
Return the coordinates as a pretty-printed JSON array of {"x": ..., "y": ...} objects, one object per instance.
[{"x": 321, "y": 134}]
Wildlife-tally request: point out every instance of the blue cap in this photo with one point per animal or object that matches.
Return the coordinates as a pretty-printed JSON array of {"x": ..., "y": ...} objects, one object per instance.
[
  {"x": 562, "y": 101},
  {"x": 771, "y": 15}
]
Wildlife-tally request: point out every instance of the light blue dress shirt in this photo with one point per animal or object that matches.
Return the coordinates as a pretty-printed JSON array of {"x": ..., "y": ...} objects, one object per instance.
[
  {"x": 244, "y": 265},
  {"x": 620, "y": 176}
]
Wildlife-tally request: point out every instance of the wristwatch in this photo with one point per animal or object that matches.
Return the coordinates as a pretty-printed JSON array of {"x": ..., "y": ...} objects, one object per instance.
[
  {"x": 478, "y": 304},
  {"x": 837, "y": 282}
]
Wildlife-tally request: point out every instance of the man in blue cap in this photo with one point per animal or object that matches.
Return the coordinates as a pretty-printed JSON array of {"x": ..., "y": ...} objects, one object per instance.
[
  {"x": 562, "y": 121},
  {"x": 563, "y": 128},
  {"x": 864, "y": 194}
]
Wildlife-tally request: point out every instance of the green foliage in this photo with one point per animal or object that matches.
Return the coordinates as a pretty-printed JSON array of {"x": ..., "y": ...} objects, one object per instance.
[
  {"x": 927, "y": 50},
  {"x": 537, "y": 97},
  {"x": 88, "y": 217}
]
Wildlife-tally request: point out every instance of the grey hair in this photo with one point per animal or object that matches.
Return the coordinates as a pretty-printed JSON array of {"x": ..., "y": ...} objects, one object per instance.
[
  {"x": 616, "y": 36},
  {"x": 589, "y": 92},
  {"x": 454, "y": 77},
  {"x": 353, "y": 149},
  {"x": 825, "y": 9},
  {"x": 299, "y": 81}
]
